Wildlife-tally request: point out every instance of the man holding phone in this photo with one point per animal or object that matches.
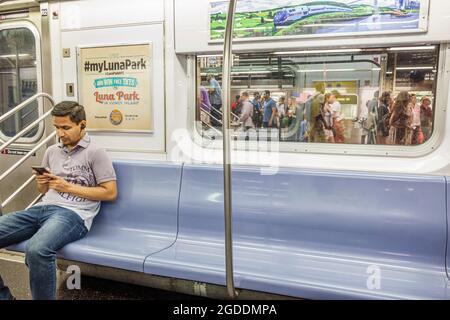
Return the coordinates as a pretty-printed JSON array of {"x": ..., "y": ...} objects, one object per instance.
[
  {"x": 75, "y": 176},
  {"x": 39, "y": 170}
]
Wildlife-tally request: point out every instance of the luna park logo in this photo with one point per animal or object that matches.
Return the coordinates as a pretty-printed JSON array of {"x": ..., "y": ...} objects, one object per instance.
[
  {"x": 116, "y": 117},
  {"x": 117, "y": 97}
]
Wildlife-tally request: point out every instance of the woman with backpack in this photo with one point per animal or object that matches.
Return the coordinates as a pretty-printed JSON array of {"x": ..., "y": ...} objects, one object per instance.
[
  {"x": 236, "y": 106},
  {"x": 400, "y": 123},
  {"x": 338, "y": 123},
  {"x": 426, "y": 117},
  {"x": 384, "y": 117},
  {"x": 327, "y": 116}
]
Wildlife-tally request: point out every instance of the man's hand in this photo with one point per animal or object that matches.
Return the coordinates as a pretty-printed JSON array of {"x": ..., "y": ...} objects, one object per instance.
[
  {"x": 56, "y": 183},
  {"x": 106, "y": 191},
  {"x": 41, "y": 180}
]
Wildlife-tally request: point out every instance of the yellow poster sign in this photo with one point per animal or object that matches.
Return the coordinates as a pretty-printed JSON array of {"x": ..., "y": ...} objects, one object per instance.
[
  {"x": 115, "y": 87},
  {"x": 343, "y": 87}
]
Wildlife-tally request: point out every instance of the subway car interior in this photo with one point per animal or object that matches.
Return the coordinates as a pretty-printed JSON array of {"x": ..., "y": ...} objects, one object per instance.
[{"x": 291, "y": 149}]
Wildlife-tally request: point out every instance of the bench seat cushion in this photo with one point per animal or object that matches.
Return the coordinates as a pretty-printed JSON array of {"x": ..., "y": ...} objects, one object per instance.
[
  {"x": 143, "y": 219},
  {"x": 312, "y": 234}
]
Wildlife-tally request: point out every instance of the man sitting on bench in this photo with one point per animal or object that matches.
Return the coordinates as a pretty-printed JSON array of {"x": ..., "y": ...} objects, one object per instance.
[{"x": 78, "y": 176}]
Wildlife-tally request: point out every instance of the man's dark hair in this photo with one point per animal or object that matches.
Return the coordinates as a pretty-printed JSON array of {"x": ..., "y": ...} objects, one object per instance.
[
  {"x": 267, "y": 92},
  {"x": 70, "y": 108}
]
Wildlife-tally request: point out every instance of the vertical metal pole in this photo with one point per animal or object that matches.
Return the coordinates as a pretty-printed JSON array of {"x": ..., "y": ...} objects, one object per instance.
[
  {"x": 226, "y": 91},
  {"x": 394, "y": 84},
  {"x": 17, "y": 116},
  {"x": 382, "y": 74}
]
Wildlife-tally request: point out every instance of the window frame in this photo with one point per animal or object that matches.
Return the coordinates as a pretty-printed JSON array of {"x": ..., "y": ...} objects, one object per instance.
[
  {"x": 29, "y": 141},
  {"x": 440, "y": 110}
]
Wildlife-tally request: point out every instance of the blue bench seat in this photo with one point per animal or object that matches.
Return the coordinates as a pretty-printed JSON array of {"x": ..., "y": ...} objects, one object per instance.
[
  {"x": 305, "y": 234},
  {"x": 309, "y": 234},
  {"x": 143, "y": 219}
]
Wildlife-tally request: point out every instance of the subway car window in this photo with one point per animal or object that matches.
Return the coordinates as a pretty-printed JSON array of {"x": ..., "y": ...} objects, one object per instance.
[
  {"x": 376, "y": 96},
  {"x": 18, "y": 79}
]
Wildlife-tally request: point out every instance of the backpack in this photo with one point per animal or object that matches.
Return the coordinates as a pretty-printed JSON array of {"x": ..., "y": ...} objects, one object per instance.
[
  {"x": 369, "y": 123},
  {"x": 385, "y": 120},
  {"x": 256, "y": 115},
  {"x": 238, "y": 109}
]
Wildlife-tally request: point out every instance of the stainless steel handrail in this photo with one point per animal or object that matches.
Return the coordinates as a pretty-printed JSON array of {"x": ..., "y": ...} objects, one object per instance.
[
  {"x": 18, "y": 136},
  {"x": 15, "y": 194},
  {"x": 16, "y": 165},
  {"x": 210, "y": 126},
  {"x": 226, "y": 80},
  {"x": 233, "y": 114},
  {"x": 23, "y": 117},
  {"x": 207, "y": 135},
  {"x": 26, "y": 157},
  {"x": 24, "y": 104},
  {"x": 21, "y": 133},
  {"x": 209, "y": 114},
  {"x": 218, "y": 121},
  {"x": 35, "y": 201}
]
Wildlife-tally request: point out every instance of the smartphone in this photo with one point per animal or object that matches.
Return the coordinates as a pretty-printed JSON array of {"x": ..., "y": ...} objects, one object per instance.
[{"x": 40, "y": 170}]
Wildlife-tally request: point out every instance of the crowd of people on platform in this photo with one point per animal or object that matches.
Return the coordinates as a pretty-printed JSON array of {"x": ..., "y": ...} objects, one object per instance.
[
  {"x": 402, "y": 120},
  {"x": 382, "y": 120}
]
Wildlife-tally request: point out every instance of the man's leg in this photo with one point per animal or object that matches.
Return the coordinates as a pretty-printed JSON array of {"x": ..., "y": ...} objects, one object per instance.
[
  {"x": 14, "y": 228},
  {"x": 215, "y": 112},
  {"x": 60, "y": 227}
]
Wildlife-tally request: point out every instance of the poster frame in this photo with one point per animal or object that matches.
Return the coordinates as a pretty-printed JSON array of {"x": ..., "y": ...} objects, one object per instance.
[
  {"x": 422, "y": 28},
  {"x": 150, "y": 87}
]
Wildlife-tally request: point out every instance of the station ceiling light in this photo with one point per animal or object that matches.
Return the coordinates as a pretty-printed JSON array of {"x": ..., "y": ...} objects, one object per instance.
[
  {"x": 209, "y": 55},
  {"x": 415, "y": 68},
  {"x": 326, "y": 70},
  {"x": 21, "y": 55},
  {"x": 317, "y": 51},
  {"x": 421, "y": 48}
]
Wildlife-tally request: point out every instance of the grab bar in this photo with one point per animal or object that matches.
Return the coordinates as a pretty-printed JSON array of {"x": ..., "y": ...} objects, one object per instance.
[
  {"x": 226, "y": 80},
  {"x": 24, "y": 104}
]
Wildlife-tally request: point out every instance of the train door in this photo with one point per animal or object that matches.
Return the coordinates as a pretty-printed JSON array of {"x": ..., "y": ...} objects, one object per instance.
[{"x": 23, "y": 38}]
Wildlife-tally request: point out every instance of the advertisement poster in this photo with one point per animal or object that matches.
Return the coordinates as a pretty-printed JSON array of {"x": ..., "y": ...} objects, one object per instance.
[
  {"x": 300, "y": 18},
  {"x": 115, "y": 87}
]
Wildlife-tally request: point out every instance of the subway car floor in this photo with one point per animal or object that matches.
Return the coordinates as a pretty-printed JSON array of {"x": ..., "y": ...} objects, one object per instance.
[
  {"x": 15, "y": 275},
  {"x": 101, "y": 289}
]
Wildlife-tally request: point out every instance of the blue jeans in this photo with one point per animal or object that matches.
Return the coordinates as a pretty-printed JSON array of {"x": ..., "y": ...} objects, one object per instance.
[{"x": 48, "y": 228}]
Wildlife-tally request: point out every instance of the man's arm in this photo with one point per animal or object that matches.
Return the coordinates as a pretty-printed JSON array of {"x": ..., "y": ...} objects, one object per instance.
[
  {"x": 274, "y": 114},
  {"x": 106, "y": 191},
  {"x": 41, "y": 182}
]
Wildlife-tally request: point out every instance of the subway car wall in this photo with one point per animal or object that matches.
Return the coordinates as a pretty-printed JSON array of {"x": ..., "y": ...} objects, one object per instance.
[{"x": 174, "y": 101}]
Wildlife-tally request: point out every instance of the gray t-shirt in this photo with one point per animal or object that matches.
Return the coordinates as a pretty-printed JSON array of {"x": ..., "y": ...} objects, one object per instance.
[{"x": 86, "y": 165}]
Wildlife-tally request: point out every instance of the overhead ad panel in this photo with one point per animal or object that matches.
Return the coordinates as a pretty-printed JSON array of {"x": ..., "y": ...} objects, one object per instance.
[{"x": 264, "y": 19}]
